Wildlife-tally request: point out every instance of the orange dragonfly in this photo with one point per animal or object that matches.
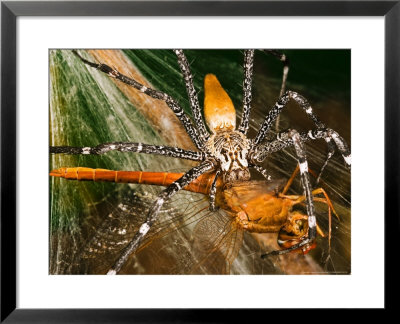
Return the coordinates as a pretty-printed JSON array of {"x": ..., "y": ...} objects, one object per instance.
[{"x": 251, "y": 206}]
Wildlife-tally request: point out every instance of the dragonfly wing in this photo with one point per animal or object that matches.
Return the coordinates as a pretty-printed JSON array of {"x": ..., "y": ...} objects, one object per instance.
[
  {"x": 167, "y": 248},
  {"x": 216, "y": 243}
]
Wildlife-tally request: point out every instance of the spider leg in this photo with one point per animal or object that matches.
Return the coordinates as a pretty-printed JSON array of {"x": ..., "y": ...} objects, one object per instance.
[
  {"x": 178, "y": 111},
  {"x": 262, "y": 170},
  {"x": 247, "y": 84},
  {"x": 305, "y": 180},
  {"x": 193, "y": 99},
  {"x": 331, "y": 151},
  {"x": 131, "y": 147},
  {"x": 283, "y": 58},
  {"x": 213, "y": 191},
  {"x": 152, "y": 216},
  {"x": 260, "y": 152},
  {"x": 277, "y": 109}
]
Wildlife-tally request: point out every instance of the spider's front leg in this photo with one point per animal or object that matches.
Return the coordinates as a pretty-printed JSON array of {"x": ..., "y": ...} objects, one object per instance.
[
  {"x": 305, "y": 181},
  {"x": 260, "y": 152},
  {"x": 321, "y": 132},
  {"x": 193, "y": 99},
  {"x": 277, "y": 109},
  {"x": 285, "y": 61},
  {"x": 171, "y": 102},
  {"x": 247, "y": 87},
  {"x": 248, "y": 79},
  {"x": 130, "y": 147},
  {"x": 172, "y": 189}
]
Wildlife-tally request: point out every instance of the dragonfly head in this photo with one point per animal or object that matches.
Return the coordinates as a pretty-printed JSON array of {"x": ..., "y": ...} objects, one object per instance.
[{"x": 294, "y": 232}]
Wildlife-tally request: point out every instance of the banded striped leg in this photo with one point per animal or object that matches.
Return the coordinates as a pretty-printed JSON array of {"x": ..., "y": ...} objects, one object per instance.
[
  {"x": 213, "y": 191},
  {"x": 131, "y": 147},
  {"x": 172, "y": 189},
  {"x": 276, "y": 110},
  {"x": 282, "y": 57},
  {"x": 305, "y": 180},
  {"x": 193, "y": 99},
  {"x": 260, "y": 152},
  {"x": 331, "y": 151},
  {"x": 178, "y": 111},
  {"x": 247, "y": 86},
  {"x": 263, "y": 171}
]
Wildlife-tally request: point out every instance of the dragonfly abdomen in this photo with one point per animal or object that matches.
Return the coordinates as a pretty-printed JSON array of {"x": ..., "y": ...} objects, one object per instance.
[{"x": 200, "y": 185}]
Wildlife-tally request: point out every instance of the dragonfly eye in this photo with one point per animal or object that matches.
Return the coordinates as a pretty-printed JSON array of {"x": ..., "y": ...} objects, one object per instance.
[{"x": 300, "y": 226}]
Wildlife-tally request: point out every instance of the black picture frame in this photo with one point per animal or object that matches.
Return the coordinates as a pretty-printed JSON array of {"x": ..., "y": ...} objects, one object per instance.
[{"x": 10, "y": 11}]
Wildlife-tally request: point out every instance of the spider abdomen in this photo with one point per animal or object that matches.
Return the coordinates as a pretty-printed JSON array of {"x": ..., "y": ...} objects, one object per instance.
[
  {"x": 230, "y": 150},
  {"x": 219, "y": 112}
]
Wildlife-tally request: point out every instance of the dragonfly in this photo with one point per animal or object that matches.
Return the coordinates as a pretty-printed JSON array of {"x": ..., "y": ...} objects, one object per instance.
[{"x": 253, "y": 206}]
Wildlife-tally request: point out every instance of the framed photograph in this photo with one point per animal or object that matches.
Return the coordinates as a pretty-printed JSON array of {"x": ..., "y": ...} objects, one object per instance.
[
  {"x": 199, "y": 241},
  {"x": 196, "y": 159}
]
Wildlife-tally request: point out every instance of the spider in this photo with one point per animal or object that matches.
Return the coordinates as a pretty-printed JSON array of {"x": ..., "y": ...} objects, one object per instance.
[{"x": 222, "y": 146}]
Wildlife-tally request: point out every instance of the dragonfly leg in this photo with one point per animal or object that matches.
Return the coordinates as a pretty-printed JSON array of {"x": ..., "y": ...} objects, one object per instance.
[
  {"x": 247, "y": 87},
  {"x": 152, "y": 216},
  {"x": 290, "y": 181},
  {"x": 130, "y": 147},
  {"x": 294, "y": 174},
  {"x": 172, "y": 103},
  {"x": 299, "y": 199}
]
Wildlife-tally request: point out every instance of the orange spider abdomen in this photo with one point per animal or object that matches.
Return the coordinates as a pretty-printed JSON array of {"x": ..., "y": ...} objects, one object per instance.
[{"x": 219, "y": 112}]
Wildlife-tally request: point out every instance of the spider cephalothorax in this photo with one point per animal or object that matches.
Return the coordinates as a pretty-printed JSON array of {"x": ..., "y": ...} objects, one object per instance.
[
  {"x": 230, "y": 150},
  {"x": 225, "y": 148}
]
